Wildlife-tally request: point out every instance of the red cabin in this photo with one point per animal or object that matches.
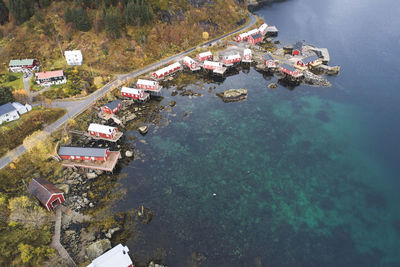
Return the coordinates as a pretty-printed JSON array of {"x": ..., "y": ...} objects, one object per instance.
[
  {"x": 111, "y": 107},
  {"x": 229, "y": 60},
  {"x": 83, "y": 153},
  {"x": 307, "y": 61},
  {"x": 255, "y": 38},
  {"x": 290, "y": 70},
  {"x": 297, "y": 49},
  {"x": 167, "y": 70},
  {"x": 47, "y": 193},
  {"x": 211, "y": 65},
  {"x": 269, "y": 61},
  {"x": 190, "y": 63},
  {"x": 245, "y": 35},
  {"x": 148, "y": 85},
  {"x": 103, "y": 131},
  {"x": 247, "y": 55},
  {"x": 204, "y": 56},
  {"x": 19, "y": 65},
  {"x": 134, "y": 93},
  {"x": 263, "y": 28}
]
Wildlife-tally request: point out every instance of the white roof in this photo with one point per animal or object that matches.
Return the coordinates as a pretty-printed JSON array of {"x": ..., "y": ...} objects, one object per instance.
[
  {"x": 73, "y": 53},
  {"x": 100, "y": 128},
  {"x": 232, "y": 56},
  {"x": 247, "y": 51},
  {"x": 205, "y": 54},
  {"x": 245, "y": 34},
  {"x": 147, "y": 82},
  {"x": 188, "y": 59},
  {"x": 263, "y": 27},
  {"x": 167, "y": 69},
  {"x": 211, "y": 63},
  {"x": 115, "y": 257},
  {"x": 131, "y": 90}
]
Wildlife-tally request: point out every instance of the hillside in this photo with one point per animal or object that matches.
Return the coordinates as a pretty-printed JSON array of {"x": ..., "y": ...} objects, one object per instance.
[{"x": 114, "y": 36}]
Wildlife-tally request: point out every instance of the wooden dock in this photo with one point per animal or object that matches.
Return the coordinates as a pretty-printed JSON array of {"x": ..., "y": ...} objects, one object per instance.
[
  {"x": 107, "y": 165},
  {"x": 220, "y": 70}
]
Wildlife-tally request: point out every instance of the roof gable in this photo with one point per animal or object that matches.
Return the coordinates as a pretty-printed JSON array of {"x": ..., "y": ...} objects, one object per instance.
[{"x": 43, "y": 189}]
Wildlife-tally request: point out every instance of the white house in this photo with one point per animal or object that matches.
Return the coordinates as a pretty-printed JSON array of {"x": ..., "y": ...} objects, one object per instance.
[
  {"x": 8, "y": 113},
  {"x": 48, "y": 78},
  {"x": 21, "y": 109},
  {"x": 115, "y": 257},
  {"x": 74, "y": 57}
]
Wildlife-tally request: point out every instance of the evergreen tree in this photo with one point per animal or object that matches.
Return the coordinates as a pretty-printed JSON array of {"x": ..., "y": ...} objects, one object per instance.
[
  {"x": 21, "y": 10},
  {"x": 81, "y": 20},
  {"x": 5, "y": 95},
  {"x": 112, "y": 25},
  {"x": 138, "y": 12},
  {"x": 3, "y": 12},
  {"x": 44, "y": 3},
  {"x": 68, "y": 15}
]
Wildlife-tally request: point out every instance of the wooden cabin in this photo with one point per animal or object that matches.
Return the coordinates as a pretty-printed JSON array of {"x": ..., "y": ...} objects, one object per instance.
[
  {"x": 204, "y": 56},
  {"x": 111, "y": 107},
  {"x": 290, "y": 70},
  {"x": 297, "y": 49},
  {"x": 255, "y": 38},
  {"x": 83, "y": 153},
  {"x": 269, "y": 61},
  {"x": 47, "y": 193},
  {"x": 167, "y": 70},
  {"x": 307, "y": 61},
  {"x": 50, "y": 78},
  {"x": 211, "y": 65},
  {"x": 190, "y": 63},
  {"x": 103, "y": 131},
  {"x": 272, "y": 31},
  {"x": 247, "y": 55},
  {"x": 116, "y": 257},
  {"x": 134, "y": 93},
  {"x": 148, "y": 85},
  {"x": 245, "y": 35},
  {"x": 231, "y": 59},
  {"x": 20, "y": 65},
  {"x": 263, "y": 28}
]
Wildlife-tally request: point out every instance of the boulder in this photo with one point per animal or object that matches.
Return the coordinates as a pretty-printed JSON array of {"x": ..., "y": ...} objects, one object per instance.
[
  {"x": 143, "y": 129},
  {"x": 233, "y": 95},
  {"x": 272, "y": 85},
  {"x": 91, "y": 175},
  {"x": 97, "y": 248},
  {"x": 172, "y": 103},
  {"x": 63, "y": 187},
  {"x": 110, "y": 232},
  {"x": 128, "y": 154}
]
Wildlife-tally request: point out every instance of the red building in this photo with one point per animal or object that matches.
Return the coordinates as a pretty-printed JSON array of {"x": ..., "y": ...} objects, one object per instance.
[
  {"x": 269, "y": 61},
  {"x": 255, "y": 38},
  {"x": 111, "y": 107},
  {"x": 245, "y": 35},
  {"x": 190, "y": 63},
  {"x": 263, "y": 28},
  {"x": 290, "y": 70},
  {"x": 47, "y": 193},
  {"x": 307, "y": 61},
  {"x": 83, "y": 153},
  {"x": 103, "y": 131},
  {"x": 116, "y": 257},
  {"x": 297, "y": 49},
  {"x": 247, "y": 55},
  {"x": 19, "y": 65},
  {"x": 204, "y": 56},
  {"x": 211, "y": 65},
  {"x": 229, "y": 60},
  {"x": 167, "y": 70},
  {"x": 134, "y": 93}
]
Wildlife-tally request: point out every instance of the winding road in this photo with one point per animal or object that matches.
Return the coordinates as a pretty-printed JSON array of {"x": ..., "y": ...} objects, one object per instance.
[{"x": 77, "y": 106}]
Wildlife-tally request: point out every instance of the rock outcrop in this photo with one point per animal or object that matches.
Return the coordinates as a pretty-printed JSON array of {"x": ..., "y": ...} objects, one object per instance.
[
  {"x": 97, "y": 248},
  {"x": 233, "y": 95}
]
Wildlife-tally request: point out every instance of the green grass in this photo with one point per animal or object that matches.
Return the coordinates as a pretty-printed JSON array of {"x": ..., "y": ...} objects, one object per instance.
[{"x": 16, "y": 84}]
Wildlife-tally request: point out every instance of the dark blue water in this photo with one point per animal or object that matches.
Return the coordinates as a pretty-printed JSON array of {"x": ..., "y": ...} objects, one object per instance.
[{"x": 303, "y": 177}]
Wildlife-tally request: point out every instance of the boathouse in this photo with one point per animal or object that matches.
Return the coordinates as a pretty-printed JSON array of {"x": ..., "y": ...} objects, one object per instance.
[
  {"x": 103, "y": 131},
  {"x": 190, "y": 63},
  {"x": 245, "y": 35},
  {"x": 159, "y": 74},
  {"x": 307, "y": 61},
  {"x": 83, "y": 153},
  {"x": 116, "y": 257},
  {"x": 73, "y": 57},
  {"x": 255, "y": 38},
  {"x": 231, "y": 59},
  {"x": 111, "y": 107},
  {"x": 297, "y": 49},
  {"x": 290, "y": 70},
  {"x": 211, "y": 65},
  {"x": 263, "y": 28},
  {"x": 205, "y": 56},
  {"x": 47, "y": 193},
  {"x": 269, "y": 61},
  {"x": 50, "y": 78},
  {"x": 134, "y": 93},
  {"x": 20, "y": 65},
  {"x": 247, "y": 55},
  {"x": 272, "y": 31},
  {"x": 148, "y": 85}
]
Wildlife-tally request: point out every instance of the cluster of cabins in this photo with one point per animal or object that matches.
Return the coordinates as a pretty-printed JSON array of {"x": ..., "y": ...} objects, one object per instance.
[
  {"x": 256, "y": 36},
  {"x": 46, "y": 78}
]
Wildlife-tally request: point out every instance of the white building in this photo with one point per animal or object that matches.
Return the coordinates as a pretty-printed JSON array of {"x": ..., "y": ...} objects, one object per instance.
[
  {"x": 74, "y": 57},
  {"x": 115, "y": 257},
  {"x": 11, "y": 111}
]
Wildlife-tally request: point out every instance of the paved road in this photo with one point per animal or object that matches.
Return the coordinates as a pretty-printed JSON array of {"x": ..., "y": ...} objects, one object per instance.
[{"x": 77, "y": 106}]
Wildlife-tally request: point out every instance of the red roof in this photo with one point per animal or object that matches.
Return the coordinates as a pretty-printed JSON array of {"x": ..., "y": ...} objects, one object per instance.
[
  {"x": 43, "y": 189},
  {"x": 49, "y": 74}
]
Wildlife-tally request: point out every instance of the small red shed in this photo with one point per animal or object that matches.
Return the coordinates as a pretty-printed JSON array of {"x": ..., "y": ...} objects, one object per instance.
[
  {"x": 190, "y": 63},
  {"x": 161, "y": 73},
  {"x": 83, "y": 153},
  {"x": 297, "y": 49},
  {"x": 229, "y": 60},
  {"x": 102, "y": 130},
  {"x": 204, "y": 56},
  {"x": 269, "y": 61},
  {"x": 47, "y": 193},
  {"x": 111, "y": 107},
  {"x": 255, "y": 38},
  {"x": 134, "y": 93},
  {"x": 290, "y": 70},
  {"x": 307, "y": 61},
  {"x": 211, "y": 65}
]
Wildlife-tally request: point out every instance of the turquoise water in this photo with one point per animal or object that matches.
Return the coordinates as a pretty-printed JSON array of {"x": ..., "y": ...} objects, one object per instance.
[{"x": 290, "y": 177}]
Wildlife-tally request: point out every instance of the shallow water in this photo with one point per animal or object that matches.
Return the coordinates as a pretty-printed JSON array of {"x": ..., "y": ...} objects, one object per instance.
[{"x": 303, "y": 177}]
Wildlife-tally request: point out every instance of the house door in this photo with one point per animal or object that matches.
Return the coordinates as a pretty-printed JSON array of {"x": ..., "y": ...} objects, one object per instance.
[{"x": 55, "y": 203}]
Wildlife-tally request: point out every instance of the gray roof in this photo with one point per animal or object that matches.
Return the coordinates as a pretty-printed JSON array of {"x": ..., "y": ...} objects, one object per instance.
[
  {"x": 298, "y": 46},
  {"x": 82, "y": 151},
  {"x": 6, "y": 108},
  {"x": 21, "y": 62},
  {"x": 257, "y": 35},
  {"x": 288, "y": 67},
  {"x": 113, "y": 104},
  {"x": 268, "y": 57},
  {"x": 309, "y": 59}
]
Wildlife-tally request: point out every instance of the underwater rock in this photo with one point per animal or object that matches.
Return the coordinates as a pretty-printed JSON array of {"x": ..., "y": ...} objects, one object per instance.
[
  {"x": 172, "y": 103},
  {"x": 128, "y": 154},
  {"x": 130, "y": 117},
  {"x": 272, "y": 85},
  {"x": 233, "y": 95},
  {"x": 143, "y": 129},
  {"x": 97, "y": 248}
]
